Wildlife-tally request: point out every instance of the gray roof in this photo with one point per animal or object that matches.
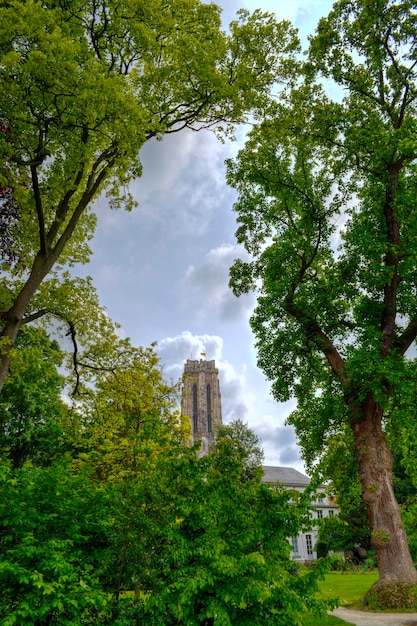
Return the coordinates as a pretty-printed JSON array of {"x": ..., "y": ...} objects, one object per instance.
[{"x": 287, "y": 476}]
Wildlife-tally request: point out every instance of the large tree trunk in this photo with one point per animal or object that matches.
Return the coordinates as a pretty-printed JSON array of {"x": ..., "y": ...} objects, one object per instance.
[
  {"x": 389, "y": 540},
  {"x": 15, "y": 315}
]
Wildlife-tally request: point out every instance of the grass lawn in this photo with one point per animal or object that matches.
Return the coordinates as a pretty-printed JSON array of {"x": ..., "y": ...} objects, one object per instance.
[{"x": 349, "y": 588}]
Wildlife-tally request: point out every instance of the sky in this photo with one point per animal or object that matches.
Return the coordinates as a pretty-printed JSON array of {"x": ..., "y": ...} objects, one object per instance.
[{"x": 161, "y": 271}]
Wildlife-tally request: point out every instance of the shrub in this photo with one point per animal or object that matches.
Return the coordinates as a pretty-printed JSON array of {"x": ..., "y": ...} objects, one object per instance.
[
  {"x": 321, "y": 549},
  {"x": 395, "y": 596},
  {"x": 338, "y": 563},
  {"x": 369, "y": 563}
]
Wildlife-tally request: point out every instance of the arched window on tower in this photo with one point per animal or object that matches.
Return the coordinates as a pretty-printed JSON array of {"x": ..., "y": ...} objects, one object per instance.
[
  {"x": 209, "y": 427},
  {"x": 195, "y": 409}
]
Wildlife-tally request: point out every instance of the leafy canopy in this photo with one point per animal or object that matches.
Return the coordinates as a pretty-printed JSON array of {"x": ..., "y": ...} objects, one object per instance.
[
  {"x": 84, "y": 85},
  {"x": 326, "y": 209}
]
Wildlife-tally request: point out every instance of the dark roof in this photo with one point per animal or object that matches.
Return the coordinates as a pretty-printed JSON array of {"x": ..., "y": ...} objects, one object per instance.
[{"x": 286, "y": 476}]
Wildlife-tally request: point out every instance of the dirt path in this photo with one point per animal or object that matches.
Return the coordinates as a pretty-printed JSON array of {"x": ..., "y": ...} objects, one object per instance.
[{"x": 362, "y": 618}]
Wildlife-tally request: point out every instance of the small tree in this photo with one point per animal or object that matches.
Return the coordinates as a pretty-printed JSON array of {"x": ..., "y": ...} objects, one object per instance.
[
  {"x": 244, "y": 444},
  {"x": 122, "y": 425},
  {"x": 31, "y": 409},
  {"x": 53, "y": 535},
  {"x": 213, "y": 546}
]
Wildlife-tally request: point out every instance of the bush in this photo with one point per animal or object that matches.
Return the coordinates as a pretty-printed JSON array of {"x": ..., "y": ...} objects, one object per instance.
[
  {"x": 395, "y": 596},
  {"x": 321, "y": 549},
  {"x": 369, "y": 563},
  {"x": 338, "y": 563}
]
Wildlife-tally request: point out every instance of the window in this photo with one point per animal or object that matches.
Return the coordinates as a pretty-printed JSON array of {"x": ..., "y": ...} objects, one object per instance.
[
  {"x": 294, "y": 543},
  {"x": 319, "y": 514},
  {"x": 331, "y": 512},
  {"x": 208, "y": 408},
  {"x": 195, "y": 409},
  {"x": 309, "y": 544}
]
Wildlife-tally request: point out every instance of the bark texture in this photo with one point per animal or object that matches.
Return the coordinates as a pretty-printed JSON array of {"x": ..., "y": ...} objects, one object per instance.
[
  {"x": 389, "y": 540},
  {"x": 41, "y": 267}
]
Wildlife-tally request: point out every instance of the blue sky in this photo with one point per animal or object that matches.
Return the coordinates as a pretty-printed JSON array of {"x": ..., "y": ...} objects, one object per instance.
[{"x": 162, "y": 270}]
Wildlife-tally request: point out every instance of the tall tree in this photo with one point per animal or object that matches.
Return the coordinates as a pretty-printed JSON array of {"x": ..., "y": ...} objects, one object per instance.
[
  {"x": 84, "y": 85},
  {"x": 327, "y": 210}
]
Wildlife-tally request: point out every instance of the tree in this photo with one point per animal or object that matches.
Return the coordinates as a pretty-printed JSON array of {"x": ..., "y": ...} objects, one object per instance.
[
  {"x": 122, "y": 425},
  {"x": 326, "y": 208},
  {"x": 84, "y": 85},
  {"x": 52, "y": 544},
  {"x": 208, "y": 545},
  {"x": 245, "y": 445},
  {"x": 31, "y": 409}
]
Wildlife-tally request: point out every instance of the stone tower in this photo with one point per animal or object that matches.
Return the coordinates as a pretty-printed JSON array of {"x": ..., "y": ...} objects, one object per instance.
[{"x": 201, "y": 401}]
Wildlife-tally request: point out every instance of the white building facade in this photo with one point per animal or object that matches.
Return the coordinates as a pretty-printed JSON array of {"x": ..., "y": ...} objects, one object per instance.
[{"x": 303, "y": 546}]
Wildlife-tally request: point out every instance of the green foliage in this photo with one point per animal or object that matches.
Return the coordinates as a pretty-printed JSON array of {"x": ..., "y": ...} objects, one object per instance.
[
  {"x": 52, "y": 524},
  {"x": 31, "y": 409},
  {"x": 126, "y": 525},
  {"x": 321, "y": 549},
  {"x": 244, "y": 444},
  {"x": 193, "y": 541},
  {"x": 338, "y": 563},
  {"x": 83, "y": 87},
  {"x": 120, "y": 429},
  {"x": 347, "y": 531},
  {"x": 218, "y": 550},
  {"x": 402, "y": 435},
  {"x": 325, "y": 208},
  {"x": 409, "y": 513}
]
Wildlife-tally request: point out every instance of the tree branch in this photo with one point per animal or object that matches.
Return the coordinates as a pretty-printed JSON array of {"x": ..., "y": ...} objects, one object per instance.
[
  {"x": 321, "y": 340},
  {"x": 64, "y": 203},
  {"x": 93, "y": 184},
  {"x": 392, "y": 260},
  {"x": 39, "y": 209},
  {"x": 404, "y": 341},
  {"x": 34, "y": 316},
  {"x": 72, "y": 333},
  {"x": 312, "y": 327}
]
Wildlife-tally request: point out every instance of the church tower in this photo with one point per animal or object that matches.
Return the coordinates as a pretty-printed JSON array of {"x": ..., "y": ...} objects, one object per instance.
[{"x": 201, "y": 401}]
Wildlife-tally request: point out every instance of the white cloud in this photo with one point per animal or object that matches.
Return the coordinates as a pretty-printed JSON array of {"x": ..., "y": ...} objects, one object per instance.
[
  {"x": 205, "y": 286},
  {"x": 234, "y": 385},
  {"x": 279, "y": 443},
  {"x": 174, "y": 351},
  {"x": 182, "y": 182}
]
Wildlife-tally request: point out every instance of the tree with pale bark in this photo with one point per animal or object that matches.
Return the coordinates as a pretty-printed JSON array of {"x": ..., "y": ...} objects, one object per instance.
[{"x": 326, "y": 208}]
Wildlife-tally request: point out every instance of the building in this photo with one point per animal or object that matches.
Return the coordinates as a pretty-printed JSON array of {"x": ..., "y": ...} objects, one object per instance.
[
  {"x": 201, "y": 403},
  {"x": 302, "y": 545},
  {"x": 201, "y": 400}
]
